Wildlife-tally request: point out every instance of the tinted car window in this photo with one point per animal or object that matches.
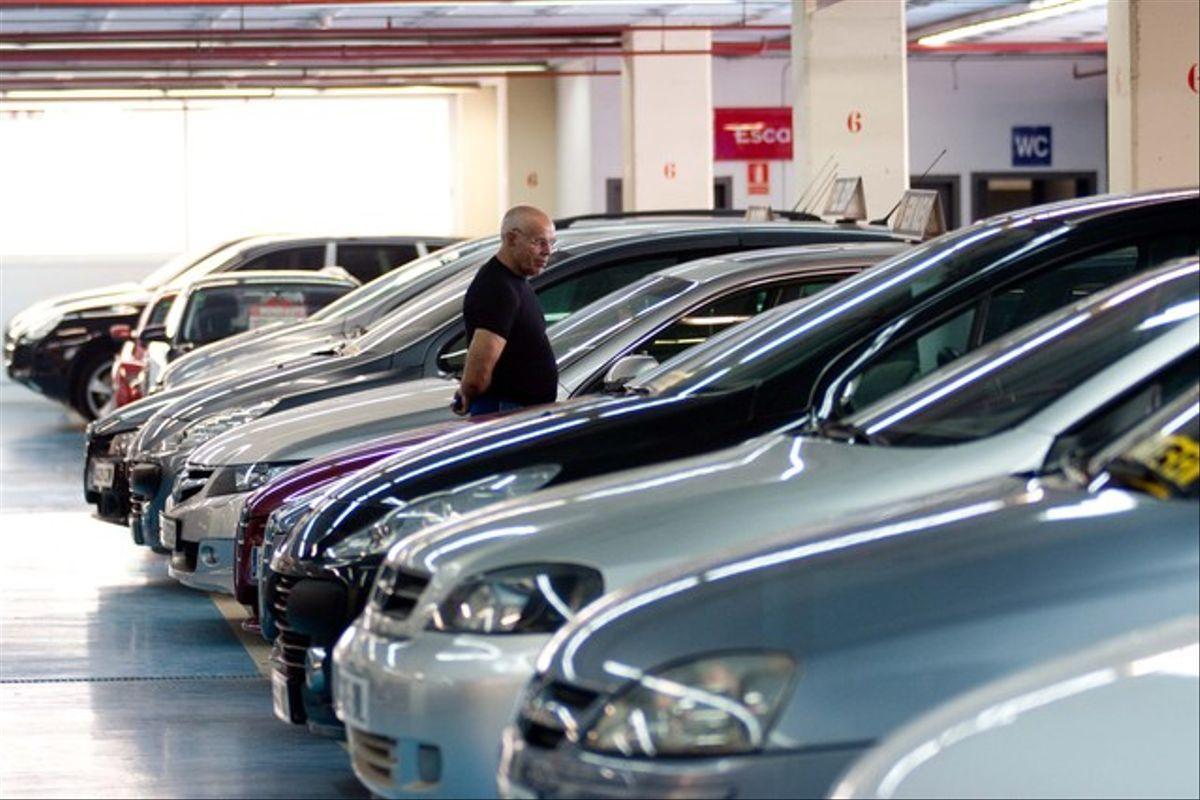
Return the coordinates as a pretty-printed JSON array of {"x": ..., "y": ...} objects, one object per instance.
[
  {"x": 1001, "y": 311},
  {"x": 220, "y": 311},
  {"x": 577, "y": 291},
  {"x": 994, "y": 391},
  {"x": 704, "y": 323},
  {"x": 311, "y": 257},
  {"x": 366, "y": 262}
]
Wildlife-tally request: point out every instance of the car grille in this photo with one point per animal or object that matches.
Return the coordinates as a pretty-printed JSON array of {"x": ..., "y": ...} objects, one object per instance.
[
  {"x": 374, "y": 756},
  {"x": 189, "y": 483},
  {"x": 293, "y": 646},
  {"x": 397, "y": 591},
  {"x": 541, "y": 720}
]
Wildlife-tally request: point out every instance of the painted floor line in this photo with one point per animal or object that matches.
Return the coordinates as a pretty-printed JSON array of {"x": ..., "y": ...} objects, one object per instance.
[{"x": 256, "y": 647}]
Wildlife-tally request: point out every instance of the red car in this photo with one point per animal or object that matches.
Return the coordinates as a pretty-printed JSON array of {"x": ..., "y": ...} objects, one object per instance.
[{"x": 129, "y": 367}]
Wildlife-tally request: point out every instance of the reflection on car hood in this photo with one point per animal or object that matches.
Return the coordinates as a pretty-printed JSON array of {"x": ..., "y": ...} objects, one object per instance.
[
  {"x": 314, "y": 429},
  {"x": 249, "y": 350},
  {"x": 101, "y": 301},
  {"x": 939, "y": 565}
]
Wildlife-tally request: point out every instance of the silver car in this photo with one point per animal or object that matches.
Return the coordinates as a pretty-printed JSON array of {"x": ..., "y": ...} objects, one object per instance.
[
  {"x": 449, "y": 611},
  {"x": 765, "y": 672},
  {"x": 654, "y": 318},
  {"x": 1121, "y": 719}
]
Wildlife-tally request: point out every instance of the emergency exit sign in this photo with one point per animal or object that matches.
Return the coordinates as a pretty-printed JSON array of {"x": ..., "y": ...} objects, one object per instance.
[{"x": 1032, "y": 146}]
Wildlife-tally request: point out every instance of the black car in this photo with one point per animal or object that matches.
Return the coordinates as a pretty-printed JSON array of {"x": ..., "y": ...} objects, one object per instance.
[
  {"x": 840, "y": 350},
  {"x": 64, "y": 348}
]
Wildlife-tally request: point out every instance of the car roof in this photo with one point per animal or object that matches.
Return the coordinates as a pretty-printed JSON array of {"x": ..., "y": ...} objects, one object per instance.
[
  {"x": 814, "y": 256},
  {"x": 268, "y": 276}
]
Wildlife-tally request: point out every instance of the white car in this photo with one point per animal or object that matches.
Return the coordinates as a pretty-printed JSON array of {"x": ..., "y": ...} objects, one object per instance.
[
  {"x": 1118, "y": 720},
  {"x": 460, "y": 612}
]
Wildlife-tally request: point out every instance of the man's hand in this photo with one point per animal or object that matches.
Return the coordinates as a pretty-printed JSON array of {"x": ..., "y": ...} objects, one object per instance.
[
  {"x": 482, "y": 355},
  {"x": 458, "y": 405}
]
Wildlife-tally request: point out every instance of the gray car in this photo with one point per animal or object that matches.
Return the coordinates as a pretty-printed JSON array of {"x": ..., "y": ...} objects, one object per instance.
[
  {"x": 650, "y": 320},
  {"x": 454, "y": 599},
  {"x": 1121, "y": 719},
  {"x": 764, "y": 673}
]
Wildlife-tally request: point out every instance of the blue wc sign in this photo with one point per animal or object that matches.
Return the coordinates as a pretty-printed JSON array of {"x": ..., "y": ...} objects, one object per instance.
[{"x": 1031, "y": 146}]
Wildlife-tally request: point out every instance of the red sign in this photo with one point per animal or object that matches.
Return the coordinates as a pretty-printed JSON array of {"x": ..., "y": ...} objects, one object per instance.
[
  {"x": 758, "y": 177},
  {"x": 752, "y": 134}
]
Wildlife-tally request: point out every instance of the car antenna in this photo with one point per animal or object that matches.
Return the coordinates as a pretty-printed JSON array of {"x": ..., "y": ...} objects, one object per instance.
[
  {"x": 884, "y": 219},
  {"x": 811, "y": 181}
]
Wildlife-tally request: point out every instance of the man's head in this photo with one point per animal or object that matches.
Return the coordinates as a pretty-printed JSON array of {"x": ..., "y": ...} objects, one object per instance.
[{"x": 526, "y": 240}]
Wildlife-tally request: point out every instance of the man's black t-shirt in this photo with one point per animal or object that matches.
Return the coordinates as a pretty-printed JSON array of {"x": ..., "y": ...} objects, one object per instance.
[{"x": 504, "y": 304}]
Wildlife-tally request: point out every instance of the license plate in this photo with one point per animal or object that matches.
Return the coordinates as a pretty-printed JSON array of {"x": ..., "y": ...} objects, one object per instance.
[
  {"x": 354, "y": 691},
  {"x": 279, "y": 696},
  {"x": 103, "y": 474},
  {"x": 255, "y": 562},
  {"x": 168, "y": 531}
]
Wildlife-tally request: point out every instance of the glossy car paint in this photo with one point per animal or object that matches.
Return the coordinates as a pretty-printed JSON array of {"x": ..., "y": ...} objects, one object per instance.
[
  {"x": 404, "y": 345},
  {"x": 1121, "y": 719},
  {"x": 631, "y": 524},
  {"x": 313, "y": 430},
  {"x": 988, "y": 582}
]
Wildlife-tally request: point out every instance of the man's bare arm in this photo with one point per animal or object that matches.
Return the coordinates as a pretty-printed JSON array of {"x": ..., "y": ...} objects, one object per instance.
[{"x": 482, "y": 355}]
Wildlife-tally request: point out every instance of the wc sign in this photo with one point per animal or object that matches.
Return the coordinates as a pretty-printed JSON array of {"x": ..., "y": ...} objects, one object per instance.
[{"x": 1031, "y": 146}]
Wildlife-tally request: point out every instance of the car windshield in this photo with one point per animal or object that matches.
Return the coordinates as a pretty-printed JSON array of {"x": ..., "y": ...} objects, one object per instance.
[
  {"x": 1005, "y": 383},
  {"x": 217, "y": 312},
  {"x": 1161, "y": 457},
  {"x": 584, "y": 331},
  {"x": 771, "y": 344},
  {"x": 446, "y": 261},
  {"x": 186, "y": 260}
]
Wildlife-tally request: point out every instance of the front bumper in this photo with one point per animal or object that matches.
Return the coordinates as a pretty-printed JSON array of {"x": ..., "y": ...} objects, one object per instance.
[
  {"x": 111, "y": 500},
  {"x": 200, "y": 532},
  {"x": 144, "y": 512},
  {"x": 37, "y": 368},
  {"x": 424, "y": 715},
  {"x": 568, "y": 771}
]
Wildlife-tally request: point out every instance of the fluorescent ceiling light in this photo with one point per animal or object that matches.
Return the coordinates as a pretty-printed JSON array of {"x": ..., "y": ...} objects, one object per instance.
[
  {"x": 218, "y": 93},
  {"x": 1037, "y": 11}
]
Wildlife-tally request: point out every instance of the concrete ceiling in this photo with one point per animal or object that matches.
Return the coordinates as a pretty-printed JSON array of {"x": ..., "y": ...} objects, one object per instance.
[{"x": 73, "y": 43}]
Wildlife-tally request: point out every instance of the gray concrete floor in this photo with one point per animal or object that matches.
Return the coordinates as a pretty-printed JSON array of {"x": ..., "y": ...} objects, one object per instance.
[{"x": 115, "y": 681}]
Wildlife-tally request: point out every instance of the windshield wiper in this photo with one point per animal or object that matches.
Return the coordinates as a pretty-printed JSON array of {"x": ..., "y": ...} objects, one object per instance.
[{"x": 847, "y": 432}]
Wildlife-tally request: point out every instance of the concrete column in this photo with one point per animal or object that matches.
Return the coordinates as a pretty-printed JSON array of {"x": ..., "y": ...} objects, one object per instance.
[
  {"x": 575, "y": 177},
  {"x": 477, "y": 190},
  {"x": 1153, "y": 109},
  {"x": 667, "y": 120},
  {"x": 850, "y": 95},
  {"x": 531, "y": 144}
]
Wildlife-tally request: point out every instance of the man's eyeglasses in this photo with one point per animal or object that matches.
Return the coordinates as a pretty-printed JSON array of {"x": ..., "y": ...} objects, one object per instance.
[{"x": 540, "y": 243}]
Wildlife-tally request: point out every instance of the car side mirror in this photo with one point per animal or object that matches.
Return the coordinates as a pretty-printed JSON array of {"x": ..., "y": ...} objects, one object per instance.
[
  {"x": 120, "y": 332},
  {"x": 153, "y": 333},
  {"x": 626, "y": 369}
]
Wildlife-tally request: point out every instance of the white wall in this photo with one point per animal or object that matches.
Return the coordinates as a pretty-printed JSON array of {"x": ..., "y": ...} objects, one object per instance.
[{"x": 970, "y": 106}]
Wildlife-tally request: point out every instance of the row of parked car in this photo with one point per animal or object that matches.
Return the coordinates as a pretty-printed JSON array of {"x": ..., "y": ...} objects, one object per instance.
[{"x": 804, "y": 483}]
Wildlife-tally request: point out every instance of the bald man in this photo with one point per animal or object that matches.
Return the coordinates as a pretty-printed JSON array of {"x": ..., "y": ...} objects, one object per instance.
[{"x": 509, "y": 360}]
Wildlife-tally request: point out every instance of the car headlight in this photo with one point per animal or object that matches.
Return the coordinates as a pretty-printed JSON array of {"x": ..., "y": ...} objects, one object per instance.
[
  {"x": 535, "y": 598},
  {"x": 119, "y": 445},
  {"x": 40, "y": 327},
  {"x": 709, "y": 706},
  {"x": 247, "y": 477},
  {"x": 438, "y": 507},
  {"x": 207, "y": 428}
]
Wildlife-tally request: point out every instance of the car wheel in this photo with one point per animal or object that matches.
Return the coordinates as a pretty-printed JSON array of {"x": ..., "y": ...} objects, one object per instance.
[{"x": 92, "y": 394}]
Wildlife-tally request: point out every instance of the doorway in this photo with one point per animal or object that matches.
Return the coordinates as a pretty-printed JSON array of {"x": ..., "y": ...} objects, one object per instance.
[
  {"x": 999, "y": 192},
  {"x": 615, "y": 204}
]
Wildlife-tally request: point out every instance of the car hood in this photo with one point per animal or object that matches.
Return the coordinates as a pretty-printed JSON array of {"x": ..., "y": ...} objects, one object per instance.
[
  {"x": 287, "y": 384},
  {"x": 995, "y": 551},
  {"x": 584, "y": 436},
  {"x": 314, "y": 429},
  {"x": 322, "y": 471},
  {"x": 97, "y": 302},
  {"x": 249, "y": 350},
  {"x": 630, "y": 524}
]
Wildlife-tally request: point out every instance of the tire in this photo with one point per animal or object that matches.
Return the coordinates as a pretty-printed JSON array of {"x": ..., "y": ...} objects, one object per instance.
[{"x": 91, "y": 388}]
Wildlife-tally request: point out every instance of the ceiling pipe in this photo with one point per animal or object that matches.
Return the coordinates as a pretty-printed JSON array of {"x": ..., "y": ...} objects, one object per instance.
[
  {"x": 386, "y": 33},
  {"x": 1000, "y": 48}
]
